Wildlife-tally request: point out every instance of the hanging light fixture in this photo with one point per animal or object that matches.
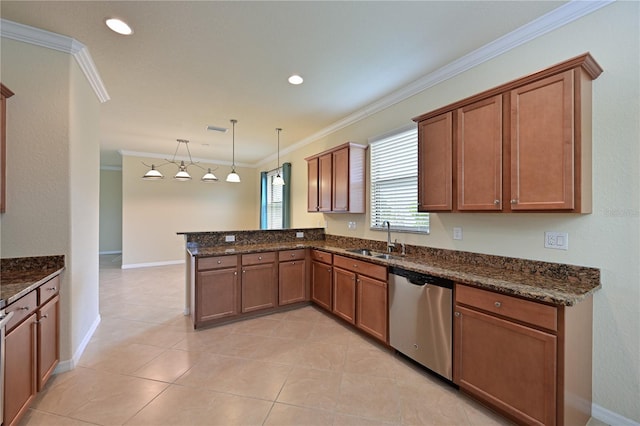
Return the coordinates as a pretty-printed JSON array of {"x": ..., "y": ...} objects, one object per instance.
[
  {"x": 278, "y": 181},
  {"x": 233, "y": 176},
  {"x": 182, "y": 175}
]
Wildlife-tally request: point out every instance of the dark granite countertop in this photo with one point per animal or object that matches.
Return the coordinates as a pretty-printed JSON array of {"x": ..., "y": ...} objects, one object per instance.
[
  {"x": 556, "y": 284},
  {"x": 22, "y": 275}
]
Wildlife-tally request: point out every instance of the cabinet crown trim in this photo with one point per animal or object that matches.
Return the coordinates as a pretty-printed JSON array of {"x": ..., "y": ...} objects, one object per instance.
[
  {"x": 336, "y": 148},
  {"x": 584, "y": 61}
]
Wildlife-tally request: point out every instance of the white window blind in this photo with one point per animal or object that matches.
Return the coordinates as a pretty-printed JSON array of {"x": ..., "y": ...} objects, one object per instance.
[
  {"x": 274, "y": 202},
  {"x": 394, "y": 183}
]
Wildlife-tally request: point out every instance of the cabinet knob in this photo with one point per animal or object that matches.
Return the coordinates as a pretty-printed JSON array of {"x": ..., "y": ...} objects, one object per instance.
[
  {"x": 24, "y": 308},
  {"x": 51, "y": 289},
  {"x": 355, "y": 266},
  {"x": 259, "y": 257},
  {"x": 457, "y": 314},
  {"x": 293, "y": 255},
  {"x": 514, "y": 201},
  {"x": 219, "y": 262},
  {"x": 497, "y": 304},
  {"x": 496, "y": 202}
]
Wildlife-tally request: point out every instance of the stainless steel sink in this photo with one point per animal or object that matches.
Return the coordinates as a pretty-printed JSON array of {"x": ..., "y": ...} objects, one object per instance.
[
  {"x": 362, "y": 251},
  {"x": 385, "y": 256}
]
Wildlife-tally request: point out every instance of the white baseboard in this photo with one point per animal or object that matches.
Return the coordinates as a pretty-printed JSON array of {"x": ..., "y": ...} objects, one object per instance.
[
  {"x": 70, "y": 364},
  {"x": 150, "y": 264},
  {"x": 610, "y": 418},
  {"x": 110, "y": 252}
]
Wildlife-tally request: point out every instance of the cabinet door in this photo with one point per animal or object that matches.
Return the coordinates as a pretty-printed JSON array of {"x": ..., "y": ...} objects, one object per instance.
[
  {"x": 372, "y": 310},
  {"x": 312, "y": 185},
  {"x": 216, "y": 294},
  {"x": 259, "y": 287},
  {"x": 48, "y": 340},
  {"x": 507, "y": 365},
  {"x": 325, "y": 174},
  {"x": 344, "y": 294},
  {"x": 20, "y": 370},
  {"x": 291, "y": 282},
  {"x": 479, "y": 155},
  {"x": 341, "y": 180},
  {"x": 435, "y": 163},
  {"x": 542, "y": 144},
  {"x": 321, "y": 286}
]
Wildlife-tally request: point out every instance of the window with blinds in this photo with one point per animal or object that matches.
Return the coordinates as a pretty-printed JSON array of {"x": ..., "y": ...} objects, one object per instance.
[
  {"x": 274, "y": 202},
  {"x": 394, "y": 183}
]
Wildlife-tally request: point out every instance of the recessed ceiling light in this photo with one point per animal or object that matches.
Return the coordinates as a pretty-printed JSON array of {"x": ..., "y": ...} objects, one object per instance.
[
  {"x": 295, "y": 79},
  {"x": 119, "y": 26}
]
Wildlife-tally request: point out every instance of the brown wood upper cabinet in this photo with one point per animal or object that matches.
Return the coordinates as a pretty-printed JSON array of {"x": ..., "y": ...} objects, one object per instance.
[
  {"x": 522, "y": 146},
  {"x": 336, "y": 180},
  {"x": 5, "y": 93}
]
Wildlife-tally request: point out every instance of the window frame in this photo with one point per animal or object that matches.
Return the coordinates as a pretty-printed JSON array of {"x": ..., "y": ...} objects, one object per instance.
[{"x": 376, "y": 218}]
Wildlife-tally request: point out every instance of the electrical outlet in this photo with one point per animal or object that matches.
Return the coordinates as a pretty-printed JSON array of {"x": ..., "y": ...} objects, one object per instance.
[
  {"x": 230, "y": 238},
  {"x": 457, "y": 233},
  {"x": 556, "y": 240},
  {"x": 352, "y": 225},
  {"x": 299, "y": 234}
]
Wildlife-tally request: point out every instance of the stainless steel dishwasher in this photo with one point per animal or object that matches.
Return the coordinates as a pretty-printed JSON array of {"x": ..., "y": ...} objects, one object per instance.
[{"x": 420, "y": 321}]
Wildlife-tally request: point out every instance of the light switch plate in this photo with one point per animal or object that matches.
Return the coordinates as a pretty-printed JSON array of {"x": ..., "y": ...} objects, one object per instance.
[
  {"x": 556, "y": 240},
  {"x": 299, "y": 234},
  {"x": 230, "y": 238}
]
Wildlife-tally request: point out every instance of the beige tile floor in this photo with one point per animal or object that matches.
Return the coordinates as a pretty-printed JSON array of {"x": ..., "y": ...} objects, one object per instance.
[{"x": 145, "y": 365}]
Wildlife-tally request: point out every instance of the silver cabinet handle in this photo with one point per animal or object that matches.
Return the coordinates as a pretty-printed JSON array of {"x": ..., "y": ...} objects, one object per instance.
[
  {"x": 497, "y": 304},
  {"x": 457, "y": 314},
  {"x": 219, "y": 262},
  {"x": 496, "y": 202},
  {"x": 24, "y": 308},
  {"x": 514, "y": 201},
  {"x": 259, "y": 257}
]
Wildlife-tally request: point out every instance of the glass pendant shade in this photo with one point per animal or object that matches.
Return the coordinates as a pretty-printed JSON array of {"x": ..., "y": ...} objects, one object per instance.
[
  {"x": 182, "y": 174},
  {"x": 278, "y": 181},
  {"x": 233, "y": 177},
  {"x": 153, "y": 174},
  {"x": 209, "y": 177}
]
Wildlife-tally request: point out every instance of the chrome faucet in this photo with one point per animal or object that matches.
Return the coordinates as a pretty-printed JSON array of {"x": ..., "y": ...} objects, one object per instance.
[{"x": 390, "y": 245}]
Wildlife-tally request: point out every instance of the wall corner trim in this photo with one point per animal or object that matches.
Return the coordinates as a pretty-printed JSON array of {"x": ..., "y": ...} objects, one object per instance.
[
  {"x": 26, "y": 34},
  {"x": 610, "y": 417}
]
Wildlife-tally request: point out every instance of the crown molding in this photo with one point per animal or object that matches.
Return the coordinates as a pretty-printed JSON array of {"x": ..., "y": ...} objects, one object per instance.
[
  {"x": 80, "y": 52},
  {"x": 555, "y": 19}
]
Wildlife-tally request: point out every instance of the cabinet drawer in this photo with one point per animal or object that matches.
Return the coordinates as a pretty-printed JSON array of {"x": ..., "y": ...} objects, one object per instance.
[
  {"x": 49, "y": 289},
  {"x": 258, "y": 258},
  {"x": 217, "y": 262},
  {"x": 291, "y": 255},
  {"x": 365, "y": 268},
  {"x": 321, "y": 256},
  {"x": 21, "y": 309},
  {"x": 528, "y": 311}
]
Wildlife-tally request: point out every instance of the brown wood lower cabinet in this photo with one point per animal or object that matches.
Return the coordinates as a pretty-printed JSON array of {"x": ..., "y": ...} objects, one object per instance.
[
  {"x": 321, "y": 279},
  {"x": 344, "y": 294},
  {"x": 20, "y": 370},
  {"x": 32, "y": 348},
  {"x": 372, "y": 308},
  {"x": 524, "y": 358},
  {"x": 360, "y": 295},
  {"x": 292, "y": 277},
  {"x": 259, "y": 281}
]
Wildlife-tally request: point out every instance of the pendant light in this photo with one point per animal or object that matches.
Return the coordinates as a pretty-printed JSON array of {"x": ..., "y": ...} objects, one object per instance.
[
  {"x": 278, "y": 181},
  {"x": 233, "y": 176},
  {"x": 182, "y": 175}
]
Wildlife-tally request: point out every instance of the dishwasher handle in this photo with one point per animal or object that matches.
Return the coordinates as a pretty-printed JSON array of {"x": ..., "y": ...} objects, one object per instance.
[{"x": 420, "y": 279}]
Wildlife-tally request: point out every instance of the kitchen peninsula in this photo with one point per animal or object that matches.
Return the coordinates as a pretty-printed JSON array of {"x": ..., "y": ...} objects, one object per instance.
[{"x": 522, "y": 328}]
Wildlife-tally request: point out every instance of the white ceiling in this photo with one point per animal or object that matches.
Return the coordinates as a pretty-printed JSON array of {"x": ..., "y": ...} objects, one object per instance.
[{"x": 190, "y": 64}]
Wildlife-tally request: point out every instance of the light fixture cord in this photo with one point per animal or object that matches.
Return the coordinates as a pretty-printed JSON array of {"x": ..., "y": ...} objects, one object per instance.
[
  {"x": 278, "y": 130},
  {"x": 233, "y": 146}
]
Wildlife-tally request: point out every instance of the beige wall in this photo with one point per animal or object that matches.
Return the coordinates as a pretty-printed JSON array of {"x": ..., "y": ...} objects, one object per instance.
[
  {"x": 154, "y": 211},
  {"x": 52, "y": 177},
  {"x": 110, "y": 211},
  {"x": 608, "y": 239}
]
